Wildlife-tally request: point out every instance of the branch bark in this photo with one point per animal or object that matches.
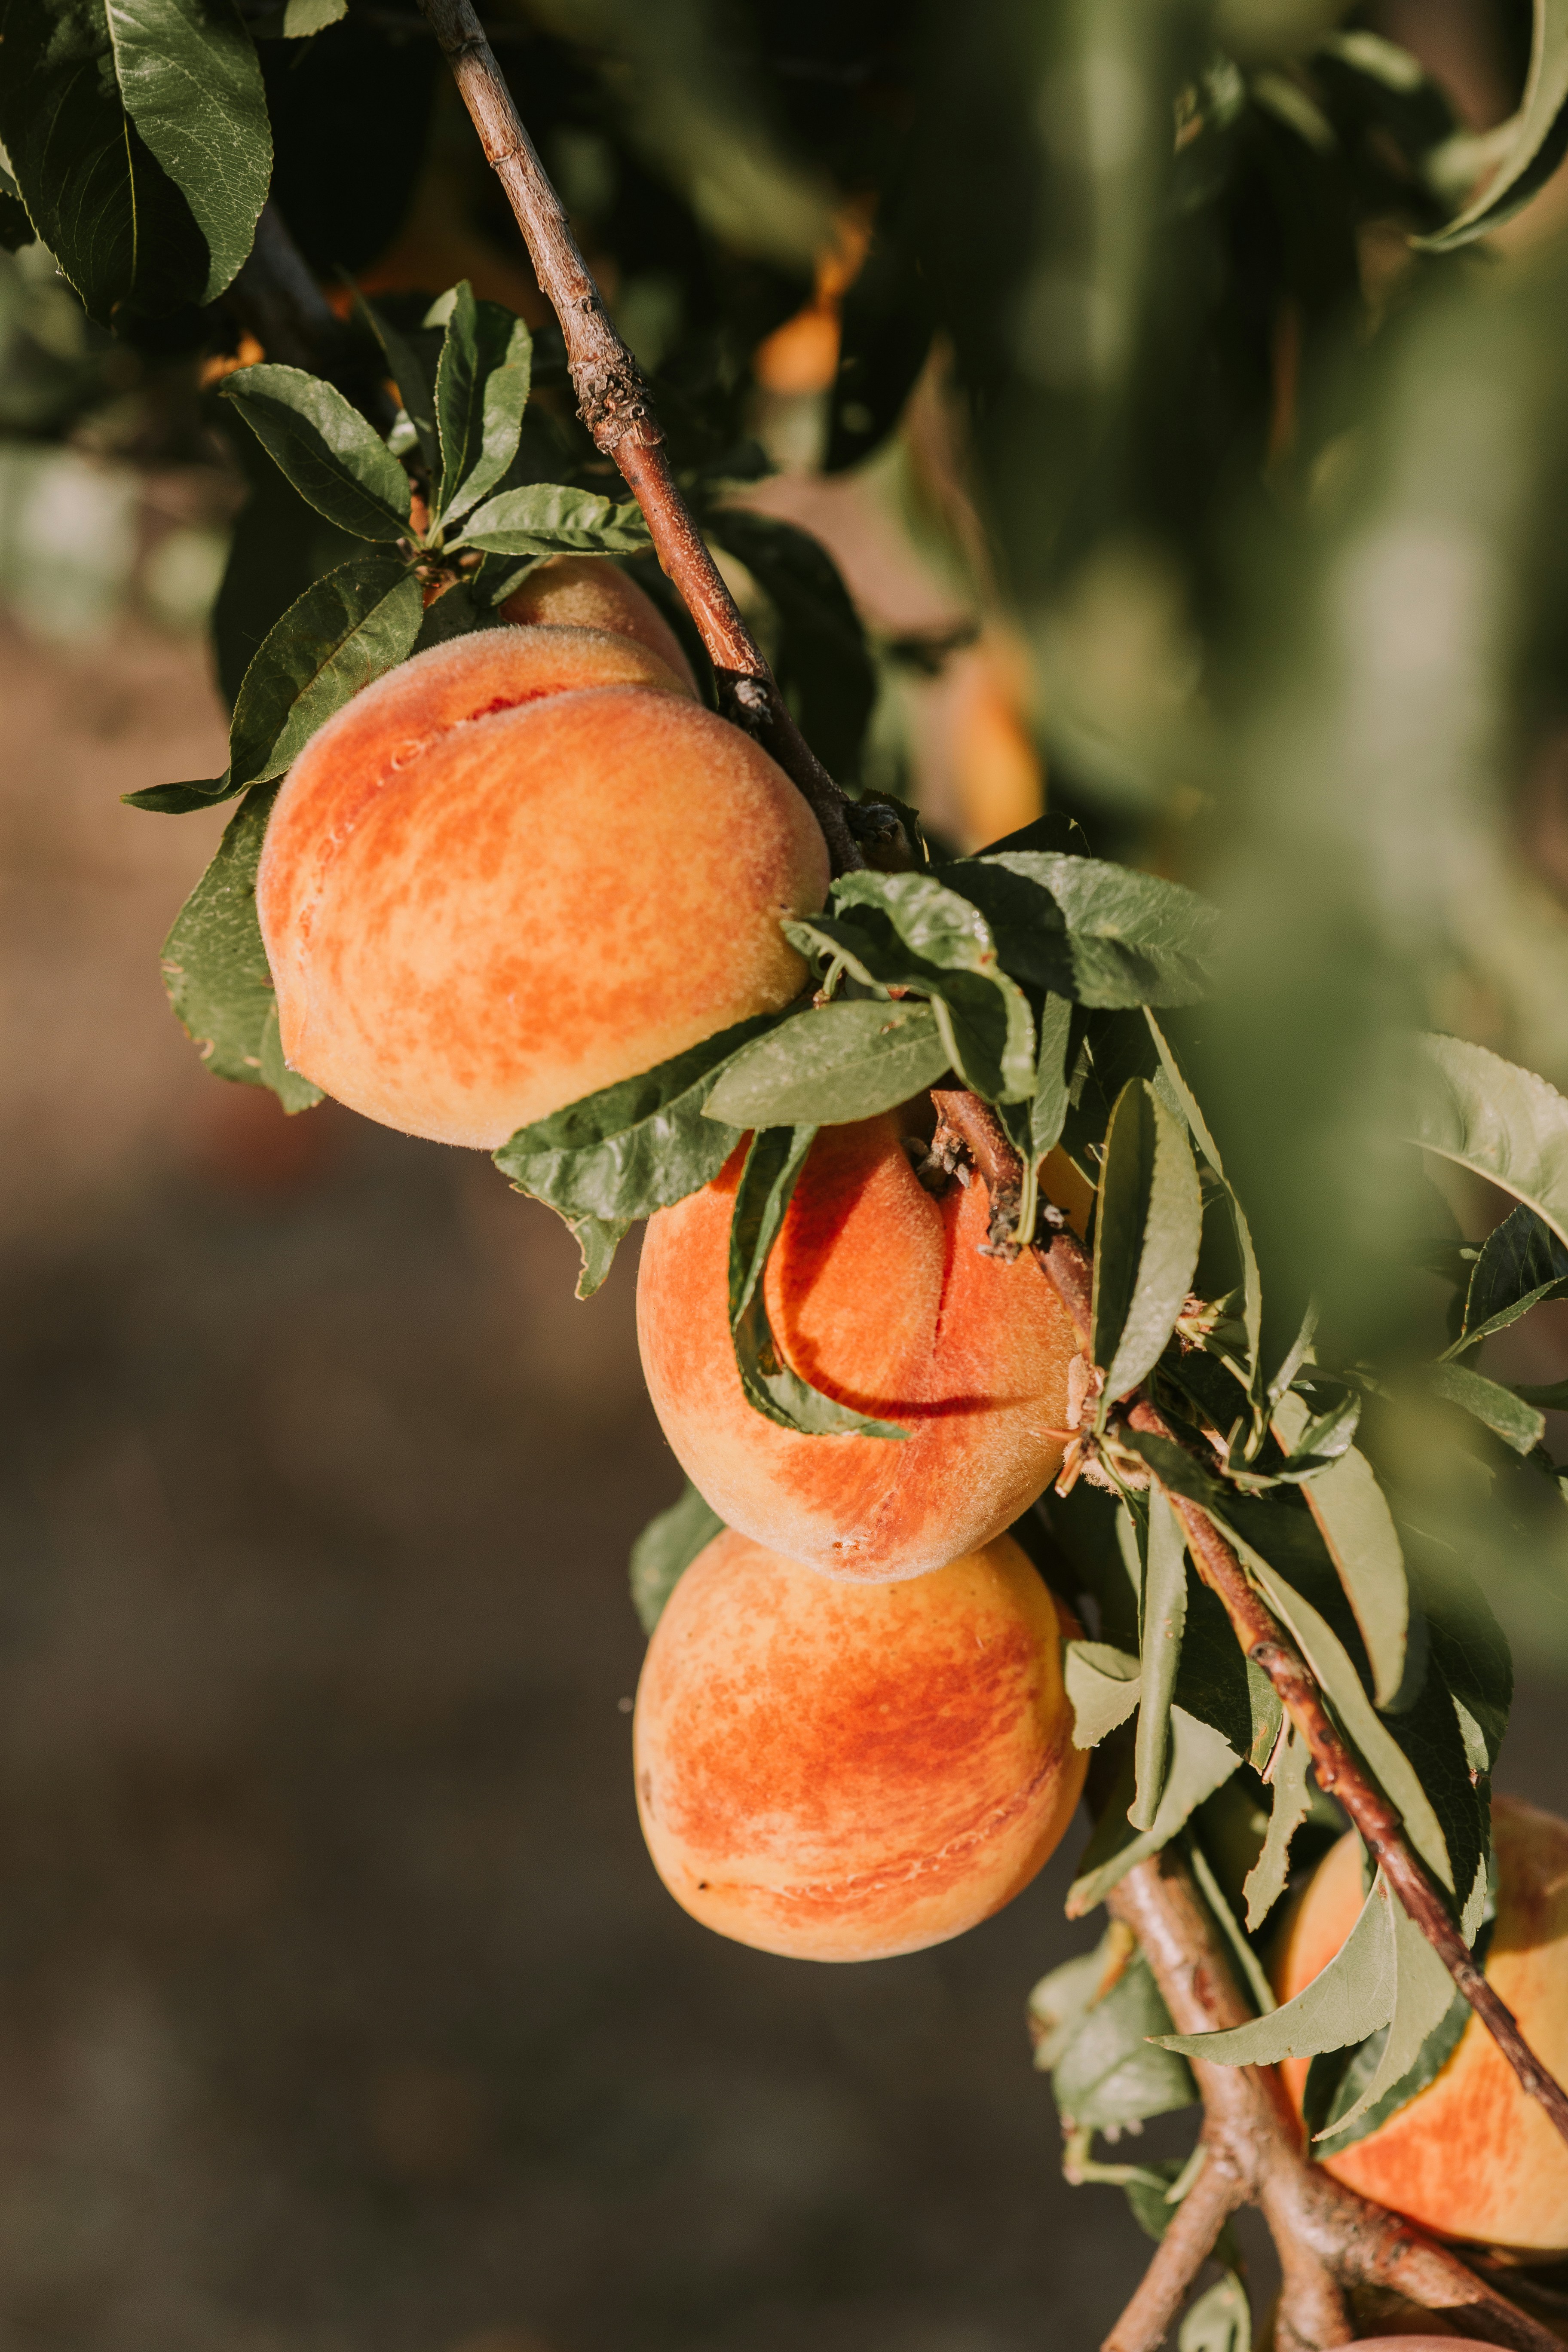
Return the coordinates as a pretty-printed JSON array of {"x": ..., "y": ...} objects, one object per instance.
[
  {"x": 613, "y": 403},
  {"x": 1265, "y": 1641}
]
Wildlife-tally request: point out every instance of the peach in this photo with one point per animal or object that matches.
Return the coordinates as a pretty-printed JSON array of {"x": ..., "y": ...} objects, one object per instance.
[
  {"x": 520, "y": 867},
  {"x": 877, "y": 1295},
  {"x": 1470, "y": 2156},
  {"x": 845, "y": 1771},
  {"x": 587, "y": 592}
]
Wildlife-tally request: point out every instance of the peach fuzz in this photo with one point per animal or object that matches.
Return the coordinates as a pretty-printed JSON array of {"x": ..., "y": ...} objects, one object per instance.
[
  {"x": 1470, "y": 2156},
  {"x": 520, "y": 867},
  {"x": 845, "y": 1771},
  {"x": 877, "y": 1295},
  {"x": 587, "y": 592}
]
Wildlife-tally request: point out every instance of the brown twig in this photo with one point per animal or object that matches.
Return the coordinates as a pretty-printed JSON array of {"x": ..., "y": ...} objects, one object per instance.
[
  {"x": 1269, "y": 1647},
  {"x": 1329, "y": 2238},
  {"x": 1181, "y": 2253},
  {"x": 613, "y": 403}
]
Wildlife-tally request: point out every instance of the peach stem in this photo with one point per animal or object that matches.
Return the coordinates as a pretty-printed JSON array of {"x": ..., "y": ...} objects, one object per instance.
[{"x": 613, "y": 403}]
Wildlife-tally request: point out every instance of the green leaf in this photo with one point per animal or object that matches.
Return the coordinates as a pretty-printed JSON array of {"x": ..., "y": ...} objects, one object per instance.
[
  {"x": 598, "y": 1238},
  {"x": 1539, "y": 142},
  {"x": 215, "y": 970},
  {"x": 15, "y": 229},
  {"x": 1220, "y": 2320},
  {"x": 832, "y": 1064},
  {"x": 349, "y": 627},
  {"x": 665, "y": 1550},
  {"x": 118, "y": 225},
  {"x": 1361, "y": 1538},
  {"x": 774, "y": 1162},
  {"x": 1292, "y": 1803},
  {"x": 1252, "y": 1294},
  {"x": 1201, "y": 1762},
  {"x": 1508, "y": 1416},
  {"x": 408, "y": 371},
  {"x": 1146, "y": 1235},
  {"x": 1164, "y": 1615},
  {"x": 334, "y": 460},
  {"x": 1344, "y": 2079},
  {"x": 1104, "y": 935},
  {"x": 1352, "y": 1996},
  {"x": 1522, "y": 1264},
  {"x": 546, "y": 520},
  {"x": 1058, "y": 2004},
  {"x": 304, "y": 19},
  {"x": 482, "y": 385},
  {"x": 191, "y": 83},
  {"x": 1422, "y": 1995},
  {"x": 1247, "y": 1960},
  {"x": 1503, "y": 1122},
  {"x": 630, "y": 1148},
  {"x": 1112, "y": 2072},
  {"x": 1103, "y": 1687},
  {"x": 1047, "y": 1112}
]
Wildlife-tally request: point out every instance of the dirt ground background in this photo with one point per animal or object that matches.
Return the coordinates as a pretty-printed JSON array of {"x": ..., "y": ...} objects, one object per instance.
[{"x": 339, "y": 2009}]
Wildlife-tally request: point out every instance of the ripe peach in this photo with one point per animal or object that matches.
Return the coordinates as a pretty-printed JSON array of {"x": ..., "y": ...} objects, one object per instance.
[
  {"x": 877, "y": 1295},
  {"x": 587, "y": 592},
  {"x": 522, "y": 867},
  {"x": 841, "y": 1772},
  {"x": 1470, "y": 2156}
]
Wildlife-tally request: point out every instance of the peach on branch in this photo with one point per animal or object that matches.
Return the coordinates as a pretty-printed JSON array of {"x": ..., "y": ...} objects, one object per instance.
[
  {"x": 588, "y": 591},
  {"x": 879, "y": 1294},
  {"x": 1471, "y": 2155},
  {"x": 520, "y": 867},
  {"x": 840, "y": 1772}
]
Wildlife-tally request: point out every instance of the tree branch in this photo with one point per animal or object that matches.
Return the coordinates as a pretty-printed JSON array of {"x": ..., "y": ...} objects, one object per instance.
[
  {"x": 1267, "y": 1643},
  {"x": 1181, "y": 2253},
  {"x": 613, "y": 403}
]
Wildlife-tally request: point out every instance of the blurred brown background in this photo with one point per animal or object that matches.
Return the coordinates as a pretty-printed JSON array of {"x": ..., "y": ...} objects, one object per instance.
[{"x": 339, "y": 2008}]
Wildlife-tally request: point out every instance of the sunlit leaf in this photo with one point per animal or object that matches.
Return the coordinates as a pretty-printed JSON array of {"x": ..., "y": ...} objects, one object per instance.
[
  {"x": 1103, "y": 1687},
  {"x": 1292, "y": 1803},
  {"x": 1147, "y": 1233},
  {"x": 1351, "y": 1997},
  {"x": 1359, "y": 1534},
  {"x": 1539, "y": 141},
  {"x": 1201, "y": 1762},
  {"x": 665, "y": 1550},
  {"x": 834, "y": 1063},
  {"x": 548, "y": 520},
  {"x": 1165, "y": 1617},
  {"x": 482, "y": 383}
]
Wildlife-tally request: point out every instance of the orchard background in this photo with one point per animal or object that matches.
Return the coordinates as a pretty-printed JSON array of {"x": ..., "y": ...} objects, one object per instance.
[{"x": 343, "y": 2008}]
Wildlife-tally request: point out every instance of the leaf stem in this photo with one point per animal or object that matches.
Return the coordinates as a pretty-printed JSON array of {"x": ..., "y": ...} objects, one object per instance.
[{"x": 613, "y": 403}]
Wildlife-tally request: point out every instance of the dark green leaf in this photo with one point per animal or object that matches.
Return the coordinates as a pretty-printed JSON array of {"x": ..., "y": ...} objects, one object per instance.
[
  {"x": 834, "y": 1063},
  {"x": 1522, "y": 1264},
  {"x": 821, "y": 656},
  {"x": 481, "y": 390},
  {"x": 1508, "y": 1416},
  {"x": 331, "y": 454},
  {"x": 547, "y": 520},
  {"x": 1221, "y": 1686},
  {"x": 1164, "y": 1615},
  {"x": 351, "y": 626},
  {"x": 1111, "y": 2072},
  {"x": 412, "y": 378},
  {"x": 191, "y": 84},
  {"x": 1201, "y": 1762},
  {"x": 773, "y": 1167},
  {"x": 1146, "y": 1235},
  {"x": 630, "y": 1148},
  {"x": 215, "y": 970},
  {"x": 1101, "y": 934},
  {"x": 15, "y": 229},
  {"x": 665, "y": 1550},
  {"x": 116, "y": 223}
]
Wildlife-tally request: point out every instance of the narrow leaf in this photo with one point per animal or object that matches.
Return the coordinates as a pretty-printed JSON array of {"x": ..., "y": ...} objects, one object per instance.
[
  {"x": 1164, "y": 1616},
  {"x": 1508, "y": 1416},
  {"x": 349, "y": 627},
  {"x": 482, "y": 385},
  {"x": 1522, "y": 1264},
  {"x": 1422, "y": 1995},
  {"x": 834, "y": 1063},
  {"x": 334, "y": 460},
  {"x": 1047, "y": 1113},
  {"x": 1147, "y": 1233},
  {"x": 409, "y": 373},
  {"x": 1351, "y": 1997},
  {"x": 665, "y": 1550},
  {"x": 1361, "y": 1538},
  {"x": 983, "y": 1017},
  {"x": 546, "y": 520},
  {"x": 1292, "y": 1803},
  {"x": 772, "y": 1388},
  {"x": 1539, "y": 142}
]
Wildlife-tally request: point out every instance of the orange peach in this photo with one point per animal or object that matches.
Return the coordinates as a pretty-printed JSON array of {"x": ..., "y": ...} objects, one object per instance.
[
  {"x": 841, "y": 1772},
  {"x": 520, "y": 867},
  {"x": 877, "y": 1295},
  {"x": 1470, "y": 2157},
  {"x": 587, "y": 592}
]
